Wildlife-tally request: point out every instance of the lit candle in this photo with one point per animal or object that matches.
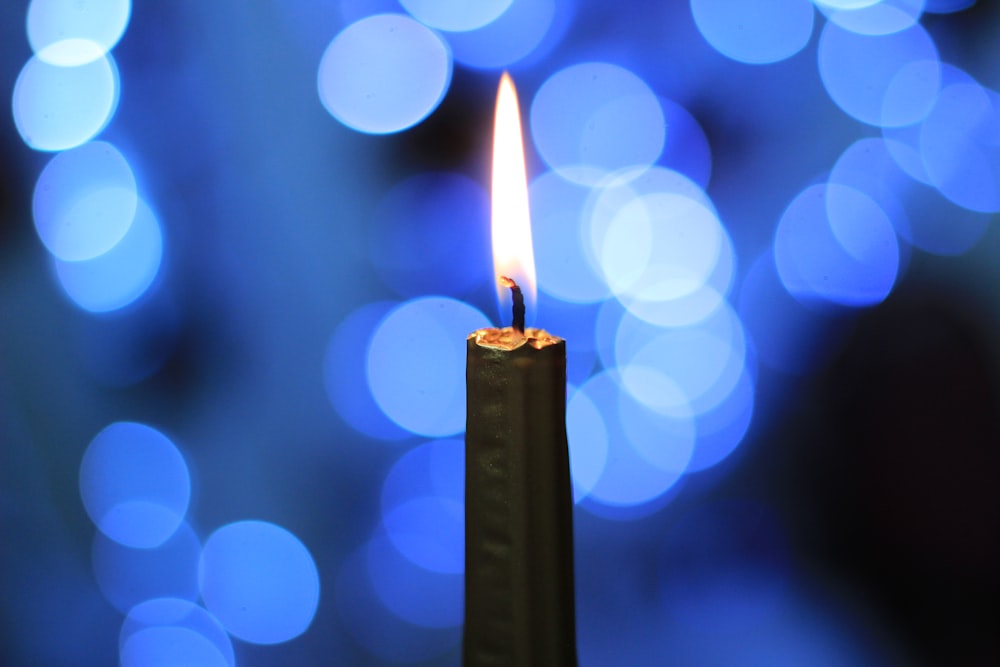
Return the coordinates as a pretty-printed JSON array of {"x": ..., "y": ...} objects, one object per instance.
[{"x": 519, "y": 597}]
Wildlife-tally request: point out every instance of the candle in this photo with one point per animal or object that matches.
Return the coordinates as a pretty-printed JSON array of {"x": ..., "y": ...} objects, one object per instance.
[{"x": 519, "y": 597}]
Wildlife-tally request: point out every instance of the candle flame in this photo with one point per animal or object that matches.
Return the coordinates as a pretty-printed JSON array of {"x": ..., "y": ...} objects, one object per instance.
[{"x": 513, "y": 254}]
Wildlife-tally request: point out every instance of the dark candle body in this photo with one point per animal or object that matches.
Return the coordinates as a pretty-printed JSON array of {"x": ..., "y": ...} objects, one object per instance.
[{"x": 519, "y": 597}]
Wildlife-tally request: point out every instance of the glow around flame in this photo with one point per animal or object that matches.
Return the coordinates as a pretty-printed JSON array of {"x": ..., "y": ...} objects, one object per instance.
[{"x": 513, "y": 254}]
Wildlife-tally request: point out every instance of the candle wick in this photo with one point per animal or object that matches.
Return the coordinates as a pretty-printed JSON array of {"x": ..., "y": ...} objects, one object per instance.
[{"x": 518, "y": 308}]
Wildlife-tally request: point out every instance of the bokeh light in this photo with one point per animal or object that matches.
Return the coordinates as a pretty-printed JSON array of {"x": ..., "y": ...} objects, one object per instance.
[
  {"x": 591, "y": 119},
  {"x": 345, "y": 377},
  {"x": 721, "y": 429},
  {"x": 384, "y": 73},
  {"x": 685, "y": 148},
  {"x": 960, "y": 143},
  {"x": 660, "y": 247},
  {"x": 622, "y": 187},
  {"x": 134, "y": 484},
  {"x": 118, "y": 277},
  {"x": 423, "y": 597},
  {"x": 845, "y": 4},
  {"x": 911, "y": 93},
  {"x": 70, "y": 33},
  {"x": 685, "y": 310},
  {"x": 708, "y": 378},
  {"x": 129, "y": 576},
  {"x": 647, "y": 453},
  {"x": 432, "y": 469},
  {"x": 523, "y": 30},
  {"x": 564, "y": 269},
  {"x": 56, "y": 108},
  {"x": 657, "y": 240},
  {"x": 661, "y": 290},
  {"x": 883, "y": 17},
  {"x": 455, "y": 15},
  {"x": 416, "y": 561},
  {"x": 430, "y": 532},
  {"x": 355, "y": 10},
  {"x": 692, "y": 368},
  {"x": 609, "y": 316},
  {"x": 919, "y": 213},
  {"x": 162, "y": 646},
  {"x": 427, "y": 337},
  {"x": 260, "y": 581},
  {"x": 173, "y": 631},
  {"x": 760, "y": 32},
  {"x": 85, "y": 201},
  {"x": 714, "y": 363},
  {"x": 903, "y": 144},
  {"x": 879, "y": 80},
  {"x": 835, "y": 243},
  {"x": 588, "y": 442},
  {"x": 663, "y": 436},
  {"x": 425, "y": 233}
]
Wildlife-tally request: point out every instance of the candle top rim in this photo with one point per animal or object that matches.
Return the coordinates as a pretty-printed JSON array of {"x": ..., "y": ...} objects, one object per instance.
[{"x": 508, "y": 338}]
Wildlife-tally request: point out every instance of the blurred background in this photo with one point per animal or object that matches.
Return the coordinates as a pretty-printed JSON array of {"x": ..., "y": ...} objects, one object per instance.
[{"x": 241, "y": 245}]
